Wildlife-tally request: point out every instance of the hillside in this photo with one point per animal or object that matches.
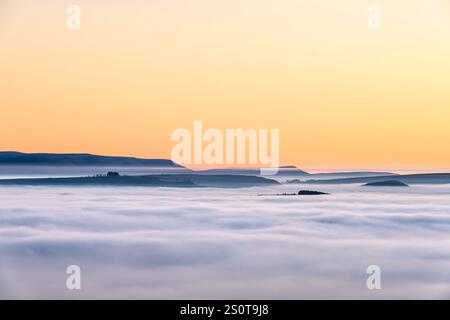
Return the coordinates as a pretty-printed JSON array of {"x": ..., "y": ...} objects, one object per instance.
[{"x": 12, "y": 158}]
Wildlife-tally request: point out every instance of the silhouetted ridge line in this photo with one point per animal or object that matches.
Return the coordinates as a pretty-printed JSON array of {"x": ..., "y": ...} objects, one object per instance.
[{"x": 79, "y": 159}]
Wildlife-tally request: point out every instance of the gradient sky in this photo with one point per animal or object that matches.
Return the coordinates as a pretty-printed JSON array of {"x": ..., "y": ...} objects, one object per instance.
[{"x": 343, "y": 96}]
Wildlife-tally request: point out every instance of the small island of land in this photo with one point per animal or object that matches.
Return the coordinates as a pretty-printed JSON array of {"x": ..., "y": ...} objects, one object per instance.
[
  {"x": 300, "y": 193},
  {"x": 310, "y": 193}
]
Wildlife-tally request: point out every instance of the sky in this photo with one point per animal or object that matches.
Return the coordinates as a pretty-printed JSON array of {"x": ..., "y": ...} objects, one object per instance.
[{"x": 342, "y": 95}]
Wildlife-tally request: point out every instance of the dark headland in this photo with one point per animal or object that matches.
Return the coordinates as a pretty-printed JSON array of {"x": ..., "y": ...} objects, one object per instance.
[
  {"x": 310, "y": 193},
  {"x": 300, "y": 193}
]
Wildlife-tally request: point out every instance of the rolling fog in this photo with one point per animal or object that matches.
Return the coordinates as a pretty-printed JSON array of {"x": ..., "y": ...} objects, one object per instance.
[{"x": 213, "y": 243}]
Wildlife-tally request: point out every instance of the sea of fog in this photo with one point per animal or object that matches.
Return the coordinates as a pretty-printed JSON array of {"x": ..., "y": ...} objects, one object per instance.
[{"x": 205, "y": 243}]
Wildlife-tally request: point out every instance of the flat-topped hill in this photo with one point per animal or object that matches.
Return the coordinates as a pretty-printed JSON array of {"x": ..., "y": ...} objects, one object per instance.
[{"x": 13, "y": 158}]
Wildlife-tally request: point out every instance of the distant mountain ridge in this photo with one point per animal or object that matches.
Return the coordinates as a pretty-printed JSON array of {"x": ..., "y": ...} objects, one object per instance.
[
  {"x": 421, "y": 178},
  {"x": 14, "y": 158},
  {"x": 386, "y": 183},
  {"x": 282, "y": 171}
]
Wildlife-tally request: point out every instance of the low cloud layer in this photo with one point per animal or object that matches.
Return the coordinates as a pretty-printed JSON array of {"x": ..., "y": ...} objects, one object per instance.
[{"x": 230, "y": 244}]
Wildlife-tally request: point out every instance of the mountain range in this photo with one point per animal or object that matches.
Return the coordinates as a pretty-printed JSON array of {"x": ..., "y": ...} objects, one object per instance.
[
  {"x": 421, "y": 178},
  {"x": 93, "y": 162},
  {"x": 79, "y": 159}
]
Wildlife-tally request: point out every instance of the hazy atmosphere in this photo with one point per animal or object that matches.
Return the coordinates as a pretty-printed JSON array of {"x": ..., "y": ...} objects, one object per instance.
[
  {"x": 213, "y": 243},
  {"x": 225, "y": 149},
  {"x": 342, "y": 95}
]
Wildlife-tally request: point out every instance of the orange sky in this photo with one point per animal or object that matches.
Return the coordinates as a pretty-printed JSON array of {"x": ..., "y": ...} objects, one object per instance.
[{"x": 342, "y": 96}]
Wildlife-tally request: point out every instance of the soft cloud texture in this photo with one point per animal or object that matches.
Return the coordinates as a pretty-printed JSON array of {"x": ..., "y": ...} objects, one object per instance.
[{"x": 213, "y": 243}]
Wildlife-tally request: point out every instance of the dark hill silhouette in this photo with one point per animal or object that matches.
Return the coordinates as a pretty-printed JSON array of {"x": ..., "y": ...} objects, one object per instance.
[
  {"x": 425, "y": 178},
  {"x": 310, "y": 193},
  {"x": 79, "y": 159},
  {"x": 351, "y": 174},
  {"x": 283, "y": 171},
  {"x": 299, "y": 193}
]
